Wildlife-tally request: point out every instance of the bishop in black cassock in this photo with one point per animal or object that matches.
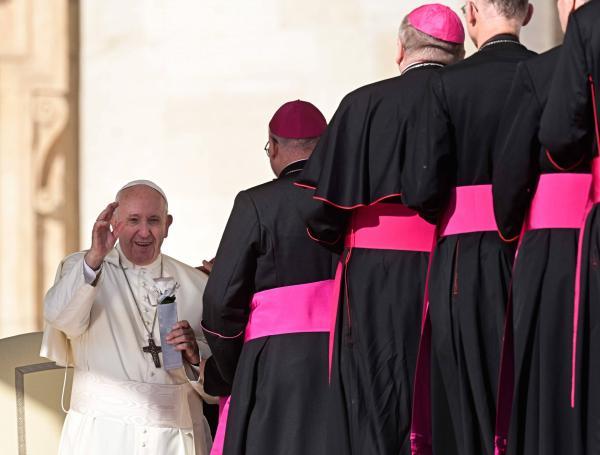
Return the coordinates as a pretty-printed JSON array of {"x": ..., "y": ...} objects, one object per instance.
[
  {"x": 542, "y": 420},
  {"x": 569, "y": 123},
  {"x": 355, "y": 172},
  {"x": 447, "y": 179},
  {"x": 266, "y": 307}
]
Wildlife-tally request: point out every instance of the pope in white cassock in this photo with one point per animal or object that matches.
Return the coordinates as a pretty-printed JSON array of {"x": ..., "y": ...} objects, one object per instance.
[{"x": 101, "y": 317}]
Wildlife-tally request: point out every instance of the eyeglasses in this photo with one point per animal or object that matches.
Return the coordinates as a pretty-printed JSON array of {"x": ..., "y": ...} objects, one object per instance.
[{"x": 267, "y": 147}]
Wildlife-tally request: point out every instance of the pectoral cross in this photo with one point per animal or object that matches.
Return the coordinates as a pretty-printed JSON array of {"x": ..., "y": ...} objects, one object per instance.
[{"x": 153, "y": 350}]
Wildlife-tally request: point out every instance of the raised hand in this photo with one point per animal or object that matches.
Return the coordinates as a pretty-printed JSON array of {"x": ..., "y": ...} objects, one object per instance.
[
  {"x": 103, "y": 237},
  {"x": 183, "y": 338}
]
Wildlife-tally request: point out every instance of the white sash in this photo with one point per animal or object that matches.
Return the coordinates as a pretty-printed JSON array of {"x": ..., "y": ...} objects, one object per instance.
[{"x": 131, "y": 402}]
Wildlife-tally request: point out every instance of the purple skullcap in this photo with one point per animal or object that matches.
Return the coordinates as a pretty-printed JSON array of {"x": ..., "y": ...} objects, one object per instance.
[
  {"x": 298, "y": 120},
  {"x": 438, "y": 21}
]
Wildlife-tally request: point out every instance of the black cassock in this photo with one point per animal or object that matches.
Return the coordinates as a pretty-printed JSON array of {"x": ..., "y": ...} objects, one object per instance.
[
  {"x": 469, "y": 272},
  {"x": 567, "y": 128},
  {"x": 542, "y": 420},
  {"x": 278, "y": 384},
  {"x": 358, "y": 162}
]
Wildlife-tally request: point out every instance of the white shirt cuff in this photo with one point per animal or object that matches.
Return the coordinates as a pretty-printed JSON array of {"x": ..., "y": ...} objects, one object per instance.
[{"x": 89, "y": 274}]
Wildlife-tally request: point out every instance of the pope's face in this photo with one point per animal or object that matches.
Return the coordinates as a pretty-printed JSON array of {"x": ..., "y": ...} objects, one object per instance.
[{"x": 143, "y": 213}]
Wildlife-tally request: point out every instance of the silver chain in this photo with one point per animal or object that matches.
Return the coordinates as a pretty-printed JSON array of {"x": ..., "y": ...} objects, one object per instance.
[
  {"x": 500, "y": 41},
  {"x": 420, "y": 65}
]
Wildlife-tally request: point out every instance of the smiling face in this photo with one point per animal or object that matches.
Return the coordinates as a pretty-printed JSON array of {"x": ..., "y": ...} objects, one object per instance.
[{"x": 143, "y": 212}]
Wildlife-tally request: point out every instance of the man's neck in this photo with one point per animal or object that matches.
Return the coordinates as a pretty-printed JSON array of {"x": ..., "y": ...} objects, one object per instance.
[
  {"x": 494, "y": 29},
  {"x": 403, "y": 66}
]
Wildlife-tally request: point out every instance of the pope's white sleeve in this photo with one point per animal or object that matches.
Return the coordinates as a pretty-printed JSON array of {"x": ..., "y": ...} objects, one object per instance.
[
  {"x": 195, "y": 375},
  {"x": 89, "y": 274},
  {"x": 68, "y": 303}
]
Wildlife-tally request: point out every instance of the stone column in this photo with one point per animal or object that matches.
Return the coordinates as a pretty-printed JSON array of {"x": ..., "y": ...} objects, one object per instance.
[{"x": 39, "y": 67}]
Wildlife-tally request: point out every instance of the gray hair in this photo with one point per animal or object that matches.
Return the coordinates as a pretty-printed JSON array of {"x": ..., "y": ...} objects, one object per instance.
[
  {"x": 510, "y": 9},
  {"x": 304, "y": 145},
  {"x": 418, "y": 43}
]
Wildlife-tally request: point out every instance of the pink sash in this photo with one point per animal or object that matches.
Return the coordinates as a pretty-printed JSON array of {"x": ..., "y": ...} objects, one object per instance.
[
  {"x": 300, "y": 308},
  {"x": 389, "y": 227},
  {"x": 470, "y": 209},
  {"x": 381, "y": 226},
  {"x": 560, "y": 202}
]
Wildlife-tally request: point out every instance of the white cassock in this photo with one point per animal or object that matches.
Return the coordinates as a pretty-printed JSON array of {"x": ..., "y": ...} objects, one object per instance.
[{"x": 121, "y": 403}]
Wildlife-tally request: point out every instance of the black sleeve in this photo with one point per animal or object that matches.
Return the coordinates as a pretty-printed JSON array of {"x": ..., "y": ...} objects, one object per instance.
[
  {"x": 517, "y": 148},
  {"x": 430, "y": 162},
  {"x": 325, "y": 223},
  {"x": 566, "y": 127},
  {"x": 228, "y": 293}
]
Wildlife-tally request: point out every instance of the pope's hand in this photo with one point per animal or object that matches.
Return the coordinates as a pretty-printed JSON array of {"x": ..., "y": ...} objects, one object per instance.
[
  {"x": 103, "y": 237},
  {"x": 206, "y": 266},
  {"x": 183, "y": 338}
]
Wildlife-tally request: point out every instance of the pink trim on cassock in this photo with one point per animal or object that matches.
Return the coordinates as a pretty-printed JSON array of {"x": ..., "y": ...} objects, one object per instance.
[
  {"x": 470, "y": 209},
  {"x": 224, "y": 337},
  {"x": 335, "y": 299},
  {"x": 305, "y": 186},
  {"x": 357, "y": 206},
  {"x": 300, "y": 308}
]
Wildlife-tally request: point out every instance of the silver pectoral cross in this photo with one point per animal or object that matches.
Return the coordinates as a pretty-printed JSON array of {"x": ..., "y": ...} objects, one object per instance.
[{"x": 154, "y": 351}]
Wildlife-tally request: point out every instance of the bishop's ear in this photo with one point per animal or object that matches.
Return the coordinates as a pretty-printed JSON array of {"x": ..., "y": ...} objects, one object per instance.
[
  {"x": 528, "y": 15},
  {"x": 471, "y": 13},
  {"x": 400, "y": 52}
]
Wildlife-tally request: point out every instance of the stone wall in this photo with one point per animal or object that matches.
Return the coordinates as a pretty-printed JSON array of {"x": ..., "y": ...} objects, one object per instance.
[{"x": 39, "y": 202}]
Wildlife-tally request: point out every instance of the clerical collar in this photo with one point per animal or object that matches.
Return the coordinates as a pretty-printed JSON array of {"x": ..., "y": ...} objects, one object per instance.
[
  {"x": 416, "y": 65},
  {"x": 153, "y": 266},
  {"x": 293, "y": 168},
  {"x": 503, "y": 38}
]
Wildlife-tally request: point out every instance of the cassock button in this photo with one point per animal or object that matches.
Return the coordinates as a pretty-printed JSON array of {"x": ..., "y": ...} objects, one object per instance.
[{"x": 143, "y": 444}]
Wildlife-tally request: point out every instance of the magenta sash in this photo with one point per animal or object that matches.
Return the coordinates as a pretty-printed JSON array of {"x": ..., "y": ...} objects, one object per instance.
[
  {"x": 290, "y": 309},
  {"x": 300, "y": 308},
  {"x": 381, "y": 226},
  {"x": 387, "y": 226},
  {"x": 560, "y": 202},
  {"x": 470, "y": 209}
]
